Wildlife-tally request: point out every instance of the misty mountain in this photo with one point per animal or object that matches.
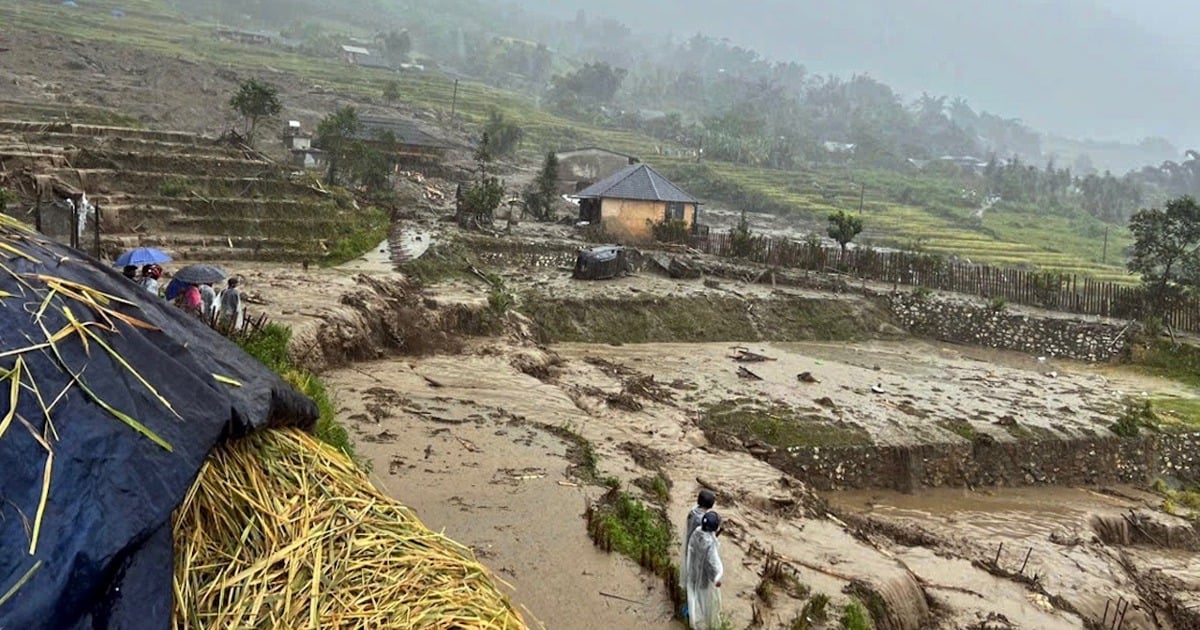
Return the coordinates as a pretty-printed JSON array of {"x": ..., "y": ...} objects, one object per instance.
[{"x": 1082, "y": 68}]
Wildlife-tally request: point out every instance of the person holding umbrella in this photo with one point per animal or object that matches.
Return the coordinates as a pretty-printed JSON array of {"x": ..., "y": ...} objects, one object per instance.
[{"x": 198, "y": 278}]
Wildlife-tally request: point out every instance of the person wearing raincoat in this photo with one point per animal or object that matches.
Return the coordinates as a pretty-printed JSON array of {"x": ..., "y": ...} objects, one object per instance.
[
  {"x": 704, "y": 503},
  {"x": 704, "y": 574},
  {"x": 208, "y": 299}
]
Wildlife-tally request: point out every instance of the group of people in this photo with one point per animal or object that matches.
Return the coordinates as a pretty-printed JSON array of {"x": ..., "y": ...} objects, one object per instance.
[
  {"x": 201, "y": 300},
  {"x": 700, "y": 567}
]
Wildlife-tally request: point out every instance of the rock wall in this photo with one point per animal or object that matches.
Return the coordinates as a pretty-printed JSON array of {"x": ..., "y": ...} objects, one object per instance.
[
  {"x": 973, "y": 323},
  {"x": 988, "y": 462}
]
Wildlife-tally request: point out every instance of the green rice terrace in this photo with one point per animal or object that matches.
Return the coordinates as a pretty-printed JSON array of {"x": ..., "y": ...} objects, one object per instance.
[{"x": 928, "y": 212}]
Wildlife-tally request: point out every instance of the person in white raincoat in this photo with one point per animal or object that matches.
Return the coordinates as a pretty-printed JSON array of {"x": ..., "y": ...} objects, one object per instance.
[
  {"x": 704, "y": 503},
  {"x": 704, "y": 574}
]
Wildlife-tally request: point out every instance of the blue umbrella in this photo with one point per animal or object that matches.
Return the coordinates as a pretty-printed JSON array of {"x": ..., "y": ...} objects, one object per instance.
[{"x": 142, "y": 256}]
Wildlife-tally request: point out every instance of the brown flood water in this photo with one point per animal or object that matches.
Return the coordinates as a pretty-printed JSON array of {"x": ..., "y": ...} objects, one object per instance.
[
  {"x": 1052, "y": 527},
  {"x": 456, "y": 438}
]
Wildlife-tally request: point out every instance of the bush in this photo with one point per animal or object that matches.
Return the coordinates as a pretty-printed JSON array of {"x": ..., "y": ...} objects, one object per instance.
[
  {"x": 174, "y": 186},
  {"x": 1134, "y": 417},
  {"x": 998, "y": 304},
  {"x": 855, "y": 617},
  {"x": 669, "y": 230}
]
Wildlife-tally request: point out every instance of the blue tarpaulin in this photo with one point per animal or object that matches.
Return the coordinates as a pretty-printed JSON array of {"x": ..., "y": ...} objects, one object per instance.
[{"x": 100, "y": 442}]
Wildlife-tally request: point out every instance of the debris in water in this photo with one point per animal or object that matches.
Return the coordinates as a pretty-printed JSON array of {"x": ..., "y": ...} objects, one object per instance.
[
  {"x": 744, "y": 355},
  {"x": 807, "y": 377},
  {"x": 878, "y": 388},
  {"x": 826, "y": 402},
  {"x": 742, "y": 372}
]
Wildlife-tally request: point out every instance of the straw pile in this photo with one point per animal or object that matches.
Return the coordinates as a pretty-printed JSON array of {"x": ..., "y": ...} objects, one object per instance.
[{"x": 281, "y": 531}]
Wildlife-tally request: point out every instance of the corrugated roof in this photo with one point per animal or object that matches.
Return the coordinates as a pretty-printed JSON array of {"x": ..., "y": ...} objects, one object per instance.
[
  {"x": 405, "y": 132},
  {"x": 356, "y": 50},
  {"x": 636, "y": 181}
]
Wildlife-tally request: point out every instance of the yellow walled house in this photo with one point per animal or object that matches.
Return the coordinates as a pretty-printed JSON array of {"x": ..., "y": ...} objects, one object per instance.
[{"x": 627, "y": 202}]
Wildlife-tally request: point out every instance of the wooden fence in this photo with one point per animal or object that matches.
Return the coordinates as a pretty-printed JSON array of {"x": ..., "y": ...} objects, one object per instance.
[{"x": 1050, "y": 290}]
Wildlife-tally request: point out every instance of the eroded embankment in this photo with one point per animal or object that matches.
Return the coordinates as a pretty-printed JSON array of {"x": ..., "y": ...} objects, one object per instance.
[{"x": 706, "y": 318}]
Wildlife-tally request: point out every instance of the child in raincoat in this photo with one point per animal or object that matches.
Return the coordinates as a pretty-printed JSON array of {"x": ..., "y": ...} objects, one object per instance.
[{"x": 704, "y": 574}]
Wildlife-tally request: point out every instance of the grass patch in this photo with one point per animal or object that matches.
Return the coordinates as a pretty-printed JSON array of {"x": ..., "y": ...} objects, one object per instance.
[
  {"x": 361, "y": 231},
  {"x": 619, "y": 522},
  {"x": 270, "y": 346},
  {"x": 1135, "y": 415},
  {"x": 657, "y": 488},
  {"x": 1173, "y": 498},
  {"x": 779, "y": 425},
  {"x": 855, "y": 617},
  {"x": 959, "y": 427},
  {"x": 1162, "y": 358},
  {"x": 1176, "y": 415},
  {"x": 174, "y": 186}
]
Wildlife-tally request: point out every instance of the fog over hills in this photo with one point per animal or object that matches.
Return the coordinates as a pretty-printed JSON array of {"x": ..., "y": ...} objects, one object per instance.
[{"x": 1101, "y": 69}]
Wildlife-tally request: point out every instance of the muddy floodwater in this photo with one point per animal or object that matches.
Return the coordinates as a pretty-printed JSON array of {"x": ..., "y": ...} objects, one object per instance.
[{"x": 474, "y": 443}]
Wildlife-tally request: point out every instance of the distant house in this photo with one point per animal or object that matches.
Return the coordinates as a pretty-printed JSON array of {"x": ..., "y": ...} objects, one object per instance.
[
  {"x": 299, "y": 145},
  {"x": 401, "y": 138},
  {"x": 354, "y": 55},
  {"x": 627, "y": 202},
  {"x": 257, "y": 38},
  {"x": 582, "y": 167},
  {"x": 374, "y": 60}
]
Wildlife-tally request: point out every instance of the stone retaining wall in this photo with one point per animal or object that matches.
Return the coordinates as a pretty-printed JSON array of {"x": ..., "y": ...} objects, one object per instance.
[
  {"x": 972, "y": 323},
  {"x": 988, "y": 462}
]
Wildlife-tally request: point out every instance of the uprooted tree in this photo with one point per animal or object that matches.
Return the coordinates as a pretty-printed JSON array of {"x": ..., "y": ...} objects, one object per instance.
[
  {"x": 256, "y": 101},
  {"x": 1166, "y": 249},
  {"x": 539, "y": 198},
  {"x": 844, "y": 227}
]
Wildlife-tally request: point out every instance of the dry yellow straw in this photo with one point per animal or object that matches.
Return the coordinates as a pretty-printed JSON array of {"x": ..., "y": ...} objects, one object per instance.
[{"x": 281, "y": 531}]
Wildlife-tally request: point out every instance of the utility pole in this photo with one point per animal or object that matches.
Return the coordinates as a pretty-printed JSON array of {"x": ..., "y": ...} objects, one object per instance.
[
  {"x": 1104, "y": 256},
  {"x": 454, "y": 102},
  {"x": 862, "y": 197}
]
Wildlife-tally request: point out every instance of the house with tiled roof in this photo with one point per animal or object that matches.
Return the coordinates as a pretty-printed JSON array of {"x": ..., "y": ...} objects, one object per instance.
[{"x": 629, "y": 202}]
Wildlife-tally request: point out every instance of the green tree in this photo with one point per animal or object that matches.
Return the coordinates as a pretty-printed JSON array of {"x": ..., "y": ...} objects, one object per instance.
[
  {"x": 398, "y": 44},
  {"x": 335, "y": 136},
  {"x": 502, "y": 134},
  {"x": 391, "y": 92},
  {"x": 478, "y": 203},
  {"x": 586, "y": 89},
  {"x": 255, "y": 101},
  {"x": 539, "y": 199},
  {"x": 844, "y": 227},
  {"x": 741, "y": 239},
  {"x": 1166, "y": 247}
]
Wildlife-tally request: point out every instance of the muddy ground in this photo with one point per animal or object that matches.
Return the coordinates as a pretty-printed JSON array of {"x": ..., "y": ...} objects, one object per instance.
[{"x": 473, "y": 439}]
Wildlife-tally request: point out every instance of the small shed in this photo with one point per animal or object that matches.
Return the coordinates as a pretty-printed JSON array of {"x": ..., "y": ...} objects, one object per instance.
[
  {"x": 353, "y": 55},
  {"x": 582, "y": 167},
  {"x": 629, "y": 201}
]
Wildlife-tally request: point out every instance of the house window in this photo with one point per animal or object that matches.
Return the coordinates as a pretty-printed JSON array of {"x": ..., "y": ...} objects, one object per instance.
[{"x": 675, "y": 211}]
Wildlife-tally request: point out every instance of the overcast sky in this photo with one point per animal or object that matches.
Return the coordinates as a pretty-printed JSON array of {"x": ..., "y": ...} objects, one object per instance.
[{"x": 1105, "y": 69}]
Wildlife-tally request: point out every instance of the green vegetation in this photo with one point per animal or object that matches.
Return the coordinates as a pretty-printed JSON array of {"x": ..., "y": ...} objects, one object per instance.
[
  {"x": 779, "y": 425},
  {"x": 670, "y": 230},
  {"x": 1176, "y": 415},
  {"x": 269, "y": 345},
  {"x": 391, "y": 92},
  {"x": 815, "y": 611},
  {"x": 657, "y": 488},
  {"x": 357, "y": 234},
  {"x": 174, "y": 186},
  {"x": 844, "y": 227},
  {"x": 256, "y": 101},
  {"x": 900, "y": 207},
  {"x": 959, "y": 427},
  {"x": 1162, "y": 358},
  {"x": 1165, "y": 246},
  {"x": 855, "y": 617},
  {"x": 1135, "y": 416},
  {"x": 1187, "y": 497},
  {"x": 501, "y": 136},
  {"x": 619, "y": 522},
  {"x": 541, "y": 196}
]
